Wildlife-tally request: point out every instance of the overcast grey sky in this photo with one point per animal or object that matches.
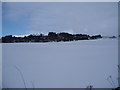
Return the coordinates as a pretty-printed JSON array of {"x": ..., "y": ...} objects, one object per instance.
[{"x": 73, "y": 17}]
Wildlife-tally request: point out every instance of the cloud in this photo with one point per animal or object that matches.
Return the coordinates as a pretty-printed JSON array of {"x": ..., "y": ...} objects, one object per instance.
[
  {"x": 0, "y": 19},
  {"x": 81, "y": 17},
  {"x": 60, "y": 0}
]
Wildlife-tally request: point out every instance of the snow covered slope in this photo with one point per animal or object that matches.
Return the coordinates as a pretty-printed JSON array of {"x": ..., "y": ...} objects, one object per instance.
[{"x": 74, "y": 64}]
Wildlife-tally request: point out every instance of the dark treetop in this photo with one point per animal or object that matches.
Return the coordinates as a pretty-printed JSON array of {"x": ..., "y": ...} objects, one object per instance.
[{"x": 51, "y": 37}]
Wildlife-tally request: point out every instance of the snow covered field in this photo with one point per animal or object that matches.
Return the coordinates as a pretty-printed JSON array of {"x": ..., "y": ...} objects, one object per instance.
[{"x": 74, "y": 64}]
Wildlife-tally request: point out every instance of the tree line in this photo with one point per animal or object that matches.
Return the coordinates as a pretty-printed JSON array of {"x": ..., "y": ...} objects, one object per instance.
[{"x": 51, "y": 37}]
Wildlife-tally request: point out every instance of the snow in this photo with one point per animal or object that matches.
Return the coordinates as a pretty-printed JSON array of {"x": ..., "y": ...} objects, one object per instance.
[
  {"x": 0, "y": 66},
  {"x": 20, "y": 35},
  {"x": 75, "y": 64}
]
